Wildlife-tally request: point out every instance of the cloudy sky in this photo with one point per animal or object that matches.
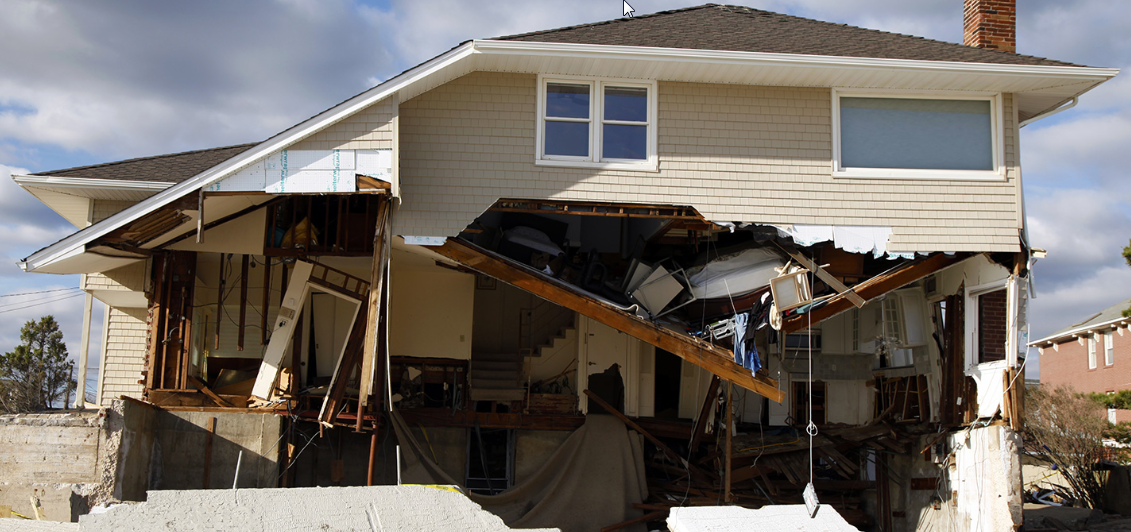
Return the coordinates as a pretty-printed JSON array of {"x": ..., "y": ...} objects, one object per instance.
[{"x": 97, "y": 81}]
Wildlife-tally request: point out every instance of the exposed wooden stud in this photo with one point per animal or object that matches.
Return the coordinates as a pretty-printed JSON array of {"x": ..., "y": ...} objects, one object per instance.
[
  {"x": 219, "y": 302},
  {"x": 712, "y": 358},
  {"x": 244, "y": 272},
  {"x": 266, "y": 301}
]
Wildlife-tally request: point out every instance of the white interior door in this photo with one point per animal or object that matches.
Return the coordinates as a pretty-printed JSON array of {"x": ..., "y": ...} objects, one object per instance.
[{"x": 602, "y": 346}]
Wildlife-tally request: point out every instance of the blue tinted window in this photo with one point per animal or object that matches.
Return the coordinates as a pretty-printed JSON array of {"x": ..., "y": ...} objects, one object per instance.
[
  {"x": 919, "y": 134},
  {"x": 626, "y": 104},
  {"x": 624, "y": 142},
  {"x": 567, "y": 101},
  {"x": 567, "y": 138}
]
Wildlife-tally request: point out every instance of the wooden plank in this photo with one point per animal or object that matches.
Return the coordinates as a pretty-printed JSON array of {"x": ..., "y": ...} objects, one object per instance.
[
  {"x": 876, "y": 286},
  {"x": 208, "y": 391},
  {"x": 155, "y": 328},
  {"x": 373, "y": 311},
  {"x": 210, "y": 435},
  {"x": 348, "y": 361},
  {"x": 709, "y": 401},
  {"x": 290, "y": 307},
  {"x": 711, "y": 358},
  {"x": 244, "y": 271}
]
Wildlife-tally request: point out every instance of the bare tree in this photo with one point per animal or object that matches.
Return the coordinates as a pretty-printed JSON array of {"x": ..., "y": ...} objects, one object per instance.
[
  {"x": 36, "y": 375},
  {"x": 1066, "y": 428}
]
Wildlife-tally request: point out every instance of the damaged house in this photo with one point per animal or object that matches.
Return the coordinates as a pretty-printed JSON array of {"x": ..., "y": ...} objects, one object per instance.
[{"x": 779, "y": 250}]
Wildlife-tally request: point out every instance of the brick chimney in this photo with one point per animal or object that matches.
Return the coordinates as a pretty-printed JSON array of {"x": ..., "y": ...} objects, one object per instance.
[{"x": 990, "y": 24}]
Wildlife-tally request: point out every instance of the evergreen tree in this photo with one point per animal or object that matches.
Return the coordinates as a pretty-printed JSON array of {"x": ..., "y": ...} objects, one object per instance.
[{"x": 36, "y": 375}]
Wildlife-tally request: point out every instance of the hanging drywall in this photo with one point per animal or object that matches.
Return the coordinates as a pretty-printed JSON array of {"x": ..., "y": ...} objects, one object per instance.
[{"x": 309, "y": 171}]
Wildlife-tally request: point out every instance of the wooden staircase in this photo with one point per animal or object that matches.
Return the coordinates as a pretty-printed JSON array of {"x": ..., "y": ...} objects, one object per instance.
[{"x": 496, "y": 377}]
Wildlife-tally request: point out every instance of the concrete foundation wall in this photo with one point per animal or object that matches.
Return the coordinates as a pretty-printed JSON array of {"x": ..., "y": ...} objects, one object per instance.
[
  {"x": 53, "y": 457},
  {"x": 178, "y": 453}
]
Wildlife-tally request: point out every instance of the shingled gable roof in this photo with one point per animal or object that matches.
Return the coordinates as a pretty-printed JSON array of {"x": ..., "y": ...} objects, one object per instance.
[
  {"x": 1106, "y": 316},
  {"x": 742, "y": 29},
  {"x": 170, "y": 168}
]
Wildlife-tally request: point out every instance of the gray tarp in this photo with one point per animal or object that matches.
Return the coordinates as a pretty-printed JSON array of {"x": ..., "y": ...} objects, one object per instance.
[{"x": 590, "y": 482}]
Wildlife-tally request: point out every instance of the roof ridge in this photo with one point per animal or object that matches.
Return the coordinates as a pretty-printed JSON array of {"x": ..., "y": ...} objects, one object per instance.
[
  {"x": 746, "y": 10},
  {"x": 885, "y": 32},
  {"x": 146, "y": 158},
  {"x": 603, "y": 22}
]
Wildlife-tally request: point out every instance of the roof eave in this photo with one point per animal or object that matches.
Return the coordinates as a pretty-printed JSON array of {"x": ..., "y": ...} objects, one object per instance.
[{"x": 1072, "y": 333}]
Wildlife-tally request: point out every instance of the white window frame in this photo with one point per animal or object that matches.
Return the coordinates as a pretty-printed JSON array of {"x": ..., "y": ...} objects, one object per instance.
[
  {"x": 996, "y": 121},
  {"x": 596, "y": 119},
  {"x": 971, "y": 325},
  {"x": 1092, "y": 351},
  {"x": 1109, "y": 348}
]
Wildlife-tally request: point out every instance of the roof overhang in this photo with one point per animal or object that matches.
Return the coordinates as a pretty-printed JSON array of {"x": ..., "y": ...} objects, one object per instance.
[
  {"x": 1038, "y": 88},
  {"x": 70, "y": 196},
  {"x": 1077, "y": 331}
]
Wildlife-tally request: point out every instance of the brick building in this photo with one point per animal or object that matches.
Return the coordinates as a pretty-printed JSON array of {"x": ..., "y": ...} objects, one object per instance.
[{"x": 1090, "y": 356}]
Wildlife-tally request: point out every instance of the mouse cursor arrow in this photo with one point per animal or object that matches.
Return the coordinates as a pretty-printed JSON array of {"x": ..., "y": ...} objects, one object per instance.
[{"x": 627, "y": 9}]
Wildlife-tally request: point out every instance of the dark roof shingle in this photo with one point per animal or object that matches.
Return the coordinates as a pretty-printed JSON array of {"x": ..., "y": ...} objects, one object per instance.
[
  {"x": 738, "y": 28},
  {"x": 171, "y": 168}
]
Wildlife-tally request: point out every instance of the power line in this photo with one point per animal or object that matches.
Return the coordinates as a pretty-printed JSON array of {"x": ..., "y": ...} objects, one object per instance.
[
  {"x": 72, "y": 296},
  {"x": 40, "y": 292}
]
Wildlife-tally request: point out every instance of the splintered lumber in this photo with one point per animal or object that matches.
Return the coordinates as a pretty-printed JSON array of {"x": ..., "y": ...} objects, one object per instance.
[
  {"x": 349, "y": 360},
  {"x": 714, "y": 359},
  {"x": 208, "y": 391},
  {"x": 879, "y": 285},
  {"x": 374, "y": 311},
  {"x": 289, "y": 310},
  {"x": 219, "y": 301},
  {"x": 701, "y": 423}
]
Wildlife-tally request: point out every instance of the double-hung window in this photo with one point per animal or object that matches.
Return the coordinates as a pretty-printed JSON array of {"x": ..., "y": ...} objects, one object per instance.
[
  {"x": 597, "y": 123},
  {"x": 1109, "y": 350},
  {"x": 1092, "y": 351},
  {"x": 917, "y": 136}
]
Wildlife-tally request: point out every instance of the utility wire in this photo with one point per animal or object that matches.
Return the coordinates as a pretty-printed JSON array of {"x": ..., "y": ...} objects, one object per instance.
[
  {"x": 41, "y": 303},
  {"x": 40, "y": 292}
]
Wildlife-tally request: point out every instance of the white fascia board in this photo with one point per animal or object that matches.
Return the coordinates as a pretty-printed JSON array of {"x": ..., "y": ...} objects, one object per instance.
[
  {"x": 797, "y": 60},
  {"x": 87, "y": 183},
  {"x": 312, "y": 125},
  {"x": 1075, "y": 332}
]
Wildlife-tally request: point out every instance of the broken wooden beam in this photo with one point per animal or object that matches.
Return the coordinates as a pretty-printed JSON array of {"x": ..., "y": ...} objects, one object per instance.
[
  {"x": 701, "y": 423},
  {"x": 876, "y": 286},
  {"x": 199, "y": 385},
  {"x": 245, "y": 263},
  {"x": 374, "y": 309},
  {"x": 712, "y": 358},
  {"x": 827, "y": 277}
]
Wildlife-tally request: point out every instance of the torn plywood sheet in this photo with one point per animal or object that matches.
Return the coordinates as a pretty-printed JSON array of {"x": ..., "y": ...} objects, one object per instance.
[
  {"x": 305, "y": 171},
  {"x": 783, "y": 517}
]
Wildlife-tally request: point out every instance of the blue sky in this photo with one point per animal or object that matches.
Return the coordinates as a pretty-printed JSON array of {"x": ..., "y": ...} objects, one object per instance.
[{"x": 96, "y": 81}]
